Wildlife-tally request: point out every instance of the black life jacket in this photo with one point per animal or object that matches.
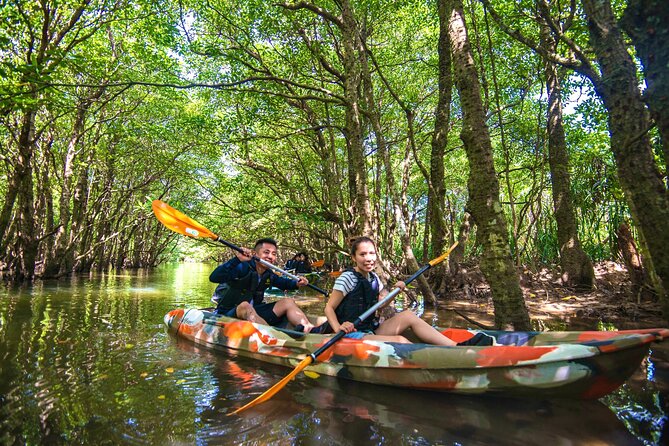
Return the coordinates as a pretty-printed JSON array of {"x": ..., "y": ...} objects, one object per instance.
[
  {"x": 245, "y": 289},
  {"x": 360, "y": 299}
]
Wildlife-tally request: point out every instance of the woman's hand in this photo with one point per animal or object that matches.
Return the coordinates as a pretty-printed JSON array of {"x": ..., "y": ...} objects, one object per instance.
[{"x": 347, "y": 327}]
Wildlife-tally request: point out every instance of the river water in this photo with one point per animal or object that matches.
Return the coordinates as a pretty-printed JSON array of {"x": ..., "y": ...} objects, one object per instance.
[{"x": 88, "y": 361}]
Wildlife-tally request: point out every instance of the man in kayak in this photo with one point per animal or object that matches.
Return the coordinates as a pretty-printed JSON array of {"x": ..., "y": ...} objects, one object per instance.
[{"x": 242, "y": 284}]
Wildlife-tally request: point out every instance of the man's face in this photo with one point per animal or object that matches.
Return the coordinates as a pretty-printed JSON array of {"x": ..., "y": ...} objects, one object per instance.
[{"x": 267, "y": 252}]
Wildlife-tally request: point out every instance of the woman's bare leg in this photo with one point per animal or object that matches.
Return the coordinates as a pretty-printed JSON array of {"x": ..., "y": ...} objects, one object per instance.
[
  {"x": 387, "y": 338},
  {"x": 408, "y": 319}
]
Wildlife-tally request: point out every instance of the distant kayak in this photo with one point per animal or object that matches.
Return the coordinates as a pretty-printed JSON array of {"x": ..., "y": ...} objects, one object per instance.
[{"x": 574, "y": 364}]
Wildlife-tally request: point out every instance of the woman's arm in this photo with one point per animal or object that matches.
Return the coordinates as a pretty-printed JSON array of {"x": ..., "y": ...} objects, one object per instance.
[
  {"x": 384, "y": 292},
  {"x": 336, "y": 297}
]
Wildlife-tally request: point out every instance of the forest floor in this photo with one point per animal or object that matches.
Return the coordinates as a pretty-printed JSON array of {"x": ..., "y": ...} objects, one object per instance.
[{"x": 610, "y": 305}]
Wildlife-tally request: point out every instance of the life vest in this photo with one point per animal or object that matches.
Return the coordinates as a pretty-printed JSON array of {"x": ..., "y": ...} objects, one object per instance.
[
  {"x": 360, "y": 299},
  {"x": 245, "y": 289}
]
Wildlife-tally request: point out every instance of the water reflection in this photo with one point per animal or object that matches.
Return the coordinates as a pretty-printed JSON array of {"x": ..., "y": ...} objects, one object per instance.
[
  {"x": 342, "y": 412},
  {"x": 87, "y": 361}
]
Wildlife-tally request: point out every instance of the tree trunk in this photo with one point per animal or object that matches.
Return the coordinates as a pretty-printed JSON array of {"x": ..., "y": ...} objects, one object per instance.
[
  {"x": 8, "y": 209},
  {"x": 629, "y": 123},
  {"x": 53, "y": 266},
  {"x": 358, "y": 188},
  {"x": 458, "y": 254},
  {"x": 437, "y": 190},
  {"x": 27, "y": 239},
  {"x": 577, "y": 268},
  {"x": 647, "y": 23},
  {"x": 632, "y": 258},
  {"x": 486, "y": 210}
]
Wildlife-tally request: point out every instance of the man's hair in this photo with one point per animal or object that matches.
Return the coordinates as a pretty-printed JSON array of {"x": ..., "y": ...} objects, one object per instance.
[{"x": 267, "y": 240}]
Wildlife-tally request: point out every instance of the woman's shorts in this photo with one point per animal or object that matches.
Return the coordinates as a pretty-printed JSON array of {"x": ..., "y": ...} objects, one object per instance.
[{"x": 358, "y": 334}]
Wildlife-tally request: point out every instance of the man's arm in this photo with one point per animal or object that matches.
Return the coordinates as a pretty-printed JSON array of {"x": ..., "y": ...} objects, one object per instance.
[
  {"x": 284, "y": 283},
  {"x": 231, "y": 270}
]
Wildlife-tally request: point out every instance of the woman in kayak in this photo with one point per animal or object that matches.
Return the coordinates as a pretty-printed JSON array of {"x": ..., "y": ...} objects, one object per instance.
[{"x": 356, "y": 290}]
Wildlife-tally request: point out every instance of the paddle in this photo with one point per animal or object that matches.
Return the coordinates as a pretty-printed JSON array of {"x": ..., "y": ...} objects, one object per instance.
[
  {"x": 183, "y": 224},
  {"x": 340, "y": 334}
]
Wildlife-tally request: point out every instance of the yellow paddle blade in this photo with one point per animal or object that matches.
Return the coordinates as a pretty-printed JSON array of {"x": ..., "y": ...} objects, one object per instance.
[
  {"x": 442, "y": 257},
  {"x": 276, "y": 387},
  {"x": 178, "y": 222}
]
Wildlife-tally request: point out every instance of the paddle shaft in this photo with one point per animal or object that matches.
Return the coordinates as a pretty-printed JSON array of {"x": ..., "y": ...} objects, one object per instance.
[{"x": 270, "y": 265}]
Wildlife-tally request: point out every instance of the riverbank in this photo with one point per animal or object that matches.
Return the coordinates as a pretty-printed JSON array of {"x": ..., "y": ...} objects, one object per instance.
[{"x": 611, "y": 304}]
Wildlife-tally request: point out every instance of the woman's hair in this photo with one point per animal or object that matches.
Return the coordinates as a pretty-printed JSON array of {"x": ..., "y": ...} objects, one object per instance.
[{"x": 356, "y": 241}]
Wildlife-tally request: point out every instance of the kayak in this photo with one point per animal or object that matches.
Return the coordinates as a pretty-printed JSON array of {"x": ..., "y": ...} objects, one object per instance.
[{"x": 572, "y": 364}]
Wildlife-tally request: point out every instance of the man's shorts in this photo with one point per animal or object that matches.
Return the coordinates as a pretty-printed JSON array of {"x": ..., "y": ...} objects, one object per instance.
[{"x": 265, "y": 311}]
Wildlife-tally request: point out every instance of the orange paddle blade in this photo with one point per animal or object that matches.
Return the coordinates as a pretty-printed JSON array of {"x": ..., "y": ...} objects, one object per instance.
[
  {"x": 318, "y": 263},
  {"x": 178, "y": 222},
  {"x": 335, "y": 274},
  {"x": 276, "y": 387},
  {"x": 442, "y": 257}
]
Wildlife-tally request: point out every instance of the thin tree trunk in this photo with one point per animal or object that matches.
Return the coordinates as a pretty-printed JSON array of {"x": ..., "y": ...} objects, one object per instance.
[
  {"x": 437, "y": 192},
  {"x": 632, "y": 258},
  {"x": 485, "y": 207},
  {"x": 577, "y": 268},
  {"x": 27, "y": 239},
  {"x": 397, "y": 198},
  {"x": 7, "y": 209},
  {"x": 361, "y": 212}
]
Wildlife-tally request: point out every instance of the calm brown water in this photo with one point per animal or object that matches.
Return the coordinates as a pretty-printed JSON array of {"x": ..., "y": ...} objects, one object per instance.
[{"x": 87, "y": 361}]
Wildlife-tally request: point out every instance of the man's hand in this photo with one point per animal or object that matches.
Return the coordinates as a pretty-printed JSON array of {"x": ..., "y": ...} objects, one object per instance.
[
  {"x": 302, "y": 281},
  {"x": 246, "y": 256}
]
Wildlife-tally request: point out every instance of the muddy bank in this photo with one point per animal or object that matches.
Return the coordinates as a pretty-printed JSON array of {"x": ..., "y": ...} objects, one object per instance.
[{"x": 610, "y": 305}]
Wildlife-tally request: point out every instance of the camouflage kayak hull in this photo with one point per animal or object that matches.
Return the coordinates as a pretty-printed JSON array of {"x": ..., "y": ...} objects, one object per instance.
[{"x": 578, "y": 364}]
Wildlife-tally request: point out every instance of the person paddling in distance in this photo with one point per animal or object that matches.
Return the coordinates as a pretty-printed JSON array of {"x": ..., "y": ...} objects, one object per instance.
[
  {"x": 242, "y": 284},
  {"x": 358, "y": 289}
]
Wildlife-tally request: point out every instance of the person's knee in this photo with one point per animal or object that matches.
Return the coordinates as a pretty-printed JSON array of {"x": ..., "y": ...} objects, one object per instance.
[
  {"x": 400, "y": 340},
  {"x": 407, "y": 316},
  {"x": 284, "y": 305},
  {"x": 244, "y": 310},
  {"x": 289, "y": 302}
]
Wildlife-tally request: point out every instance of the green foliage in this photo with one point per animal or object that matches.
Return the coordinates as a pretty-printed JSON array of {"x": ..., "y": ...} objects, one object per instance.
[{"x": 264, "y": 152}]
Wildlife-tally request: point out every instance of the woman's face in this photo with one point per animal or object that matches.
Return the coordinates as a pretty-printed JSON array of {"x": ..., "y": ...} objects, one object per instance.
[{"x": 365, "y": 256}]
